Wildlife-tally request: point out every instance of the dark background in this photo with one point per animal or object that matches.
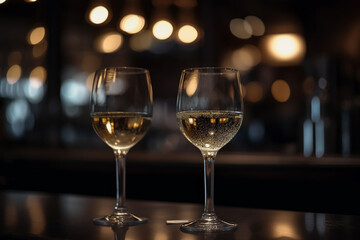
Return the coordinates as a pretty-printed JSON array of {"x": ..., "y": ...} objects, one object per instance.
[{"x": 47, "y": 143}]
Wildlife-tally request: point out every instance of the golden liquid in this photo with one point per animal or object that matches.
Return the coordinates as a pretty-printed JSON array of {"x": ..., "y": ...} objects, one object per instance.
[
  {"x": 209, "y": 130},
  {"x": 120, "y": 130}
]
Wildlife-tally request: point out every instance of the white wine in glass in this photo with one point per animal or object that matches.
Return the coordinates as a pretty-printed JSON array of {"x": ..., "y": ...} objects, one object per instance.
[
  {"x": 121, "y": 110},
  {"x": 209, "y": 114}
]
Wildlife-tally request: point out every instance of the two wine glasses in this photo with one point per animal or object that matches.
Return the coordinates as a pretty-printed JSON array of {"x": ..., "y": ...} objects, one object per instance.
[{"x": 209, "y": 113}]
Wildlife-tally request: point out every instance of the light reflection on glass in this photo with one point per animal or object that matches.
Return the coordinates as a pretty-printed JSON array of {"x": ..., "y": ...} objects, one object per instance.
[
  {"x": 132, "y": 23},
  {"x": 36, "y": 35},
  {"x": 98, "y": 14},
  {"x": 89, "y": 81},
  {"x": 162, "y": 29},
  {"x": 191, "y": 85},
  {"x": 187, "y": 34}
]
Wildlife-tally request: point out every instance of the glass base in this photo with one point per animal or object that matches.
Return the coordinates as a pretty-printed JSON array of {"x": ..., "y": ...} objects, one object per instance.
[
  {"x": 119, "y": 219},
  {"x": 208, "y": 223}
]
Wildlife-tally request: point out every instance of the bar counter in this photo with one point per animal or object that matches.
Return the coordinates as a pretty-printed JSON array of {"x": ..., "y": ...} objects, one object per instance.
[{"x": 35, "y": 215}]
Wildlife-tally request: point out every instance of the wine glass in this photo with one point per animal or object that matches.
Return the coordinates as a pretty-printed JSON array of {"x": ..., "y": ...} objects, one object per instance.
[
  {"x": 209, "y": 114},
  {"x": 121, "y": 111}
]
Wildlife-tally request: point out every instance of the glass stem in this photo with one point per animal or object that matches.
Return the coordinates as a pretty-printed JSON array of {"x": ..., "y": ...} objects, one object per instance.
[
  {"x": 120, "y": 156},
  {"x": 209, "y": 160}
]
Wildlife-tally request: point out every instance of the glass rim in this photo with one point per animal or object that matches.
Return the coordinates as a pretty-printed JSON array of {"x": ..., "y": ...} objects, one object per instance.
[
  {"x": 125, "y": 69},
  {"x": 212, "y": 70}
]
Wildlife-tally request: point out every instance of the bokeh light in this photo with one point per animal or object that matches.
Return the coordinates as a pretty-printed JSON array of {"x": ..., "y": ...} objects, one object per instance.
[
  {"x": 188, "y": 34},
  {"x": 132, "y": 23},
  {"x": 39, "y": 49},
  {"x": 37, "y": 77},
  {"x": 13, "y": 74},
  {"x": 109, "y": 42},
  {"x": 33, "y": 94},
  {"x": 36, "y": 35},
  {"x": 73, "y": 92},
  {"x": 99, "y": 14},
  {"x": 17, "y": 113},
  {"x": 284, "y": 48},
  {"x": 240, "y": 28},
  {"x": 246, "y": 57},
  {"x": 257, "y": 25},
  {"x": 2, "y": 1},
  {"x": 162, "y": 29},
  {"x": 280, "y": 90}
]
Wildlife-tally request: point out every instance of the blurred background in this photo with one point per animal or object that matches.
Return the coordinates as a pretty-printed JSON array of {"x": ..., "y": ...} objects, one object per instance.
[{"x": 300, "y": 71}]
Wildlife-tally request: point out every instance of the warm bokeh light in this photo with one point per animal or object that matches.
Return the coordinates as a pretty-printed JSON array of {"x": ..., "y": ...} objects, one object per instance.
[
  {"x": 285, "y": 48},
  {"x": 240, "y": 28},
  {"x": 162, "y": 29},
  {"x": 2, "y": 1},
  {"x": 141, "y": 41},
  {"x": 187, "y": 34},
  {"x": 109, "y": 42},
  {"x": 37, "y": 77},
  {"x": 132, "y": 23},
  {"x": 36, "y": 35},
  {"x": 39, "y": 49},
  {"x": 98, "y": 14},
  {"x": 246, "y": 57},
  {"x": 257, "y": 25},
  {"x": 280, "y": 90},
  {"x": 254, "y": 92},
  {"x": 30, "y": 1},
  {"x": 13, "y": 74}
]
